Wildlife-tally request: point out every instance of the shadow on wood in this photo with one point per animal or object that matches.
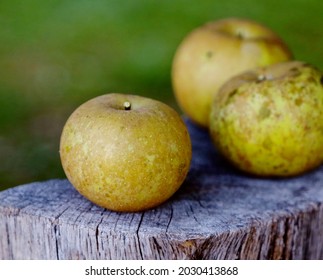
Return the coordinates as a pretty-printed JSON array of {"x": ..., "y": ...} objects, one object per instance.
[{"x": 218, "y": 213}]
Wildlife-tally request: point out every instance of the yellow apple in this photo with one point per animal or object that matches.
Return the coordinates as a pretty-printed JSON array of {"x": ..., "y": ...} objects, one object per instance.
[
  {"x": 213, "y": 53},
  {"x": 269, "y": 121},
  {"x": 125, "y": 152}
]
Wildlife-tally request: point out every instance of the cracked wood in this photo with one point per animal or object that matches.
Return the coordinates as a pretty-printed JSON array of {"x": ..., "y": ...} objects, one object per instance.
[{"x": 218, "y": 213}]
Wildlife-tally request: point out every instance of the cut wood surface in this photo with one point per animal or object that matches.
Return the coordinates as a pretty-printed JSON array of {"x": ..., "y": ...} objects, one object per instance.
[{"x": 218, "y": 213}]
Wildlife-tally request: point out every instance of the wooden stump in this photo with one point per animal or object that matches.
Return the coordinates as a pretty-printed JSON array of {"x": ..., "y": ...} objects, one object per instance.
[{"x": 219, "y": 213}]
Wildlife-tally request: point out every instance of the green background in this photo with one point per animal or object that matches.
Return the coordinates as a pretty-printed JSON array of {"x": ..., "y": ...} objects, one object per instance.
[{"x": 54, "y": 55}]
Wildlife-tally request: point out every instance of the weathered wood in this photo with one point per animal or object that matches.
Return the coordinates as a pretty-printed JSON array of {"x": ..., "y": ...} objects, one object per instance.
[{"x": 219, "y": 213}]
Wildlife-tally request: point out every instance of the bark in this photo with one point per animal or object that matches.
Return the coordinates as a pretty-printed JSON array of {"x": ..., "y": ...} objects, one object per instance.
[{"x": 218, "y": 213}]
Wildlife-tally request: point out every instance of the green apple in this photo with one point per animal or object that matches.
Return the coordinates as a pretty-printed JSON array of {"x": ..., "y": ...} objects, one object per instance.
[
  {"x": 125, "y": 152},
  {"x": 213, "y": 53},
  {"x": 269, "y": 121}
]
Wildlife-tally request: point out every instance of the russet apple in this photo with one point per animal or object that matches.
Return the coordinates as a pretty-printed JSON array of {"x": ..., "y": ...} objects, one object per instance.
[
  {"x": 269, "y": 121},
  {"x": 125, "y": 152},
  {"x": 213, "y": 53}
]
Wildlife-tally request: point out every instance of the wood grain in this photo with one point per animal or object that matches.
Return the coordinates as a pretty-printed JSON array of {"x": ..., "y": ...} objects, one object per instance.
[{"x": 218, "y": 213}]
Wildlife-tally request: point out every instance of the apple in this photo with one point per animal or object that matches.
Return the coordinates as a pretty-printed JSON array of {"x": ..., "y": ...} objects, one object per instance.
[
  {"x": 269, "y": 121},
  {"x": 213, "y": 53},
  {"x": 125, "y": 152}
]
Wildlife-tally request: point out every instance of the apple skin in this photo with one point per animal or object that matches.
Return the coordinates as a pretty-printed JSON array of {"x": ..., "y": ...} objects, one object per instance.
[
  {"x": 213, "y": 53},
  {"x": 269, "y": 121},
  {"x": 125, "y": 160}
]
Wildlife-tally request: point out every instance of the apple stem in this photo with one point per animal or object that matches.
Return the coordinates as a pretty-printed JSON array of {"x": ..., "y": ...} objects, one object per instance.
[
  {"x": 240, "y": 34},
  {"x": 261, "y": 77},
  {"x": 127, "y": 105}
]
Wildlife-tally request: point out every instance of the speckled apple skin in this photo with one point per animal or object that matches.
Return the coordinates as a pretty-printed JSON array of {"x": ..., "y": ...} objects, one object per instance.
[
  {"x": 213, "y": 53},
  {"x": 125, "y": 160},
  {"x": 269, "y": 121}
]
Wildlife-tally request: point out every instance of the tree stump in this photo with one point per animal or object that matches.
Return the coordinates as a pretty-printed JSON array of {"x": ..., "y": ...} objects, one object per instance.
[{"x": 218, "y": 213}]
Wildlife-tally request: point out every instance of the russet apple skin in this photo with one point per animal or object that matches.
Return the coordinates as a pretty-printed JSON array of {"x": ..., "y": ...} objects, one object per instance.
[
  {"x": 215, "y": 52},
  {"x": 269, "y": 121},
  {"x": 125, "y": 159}
]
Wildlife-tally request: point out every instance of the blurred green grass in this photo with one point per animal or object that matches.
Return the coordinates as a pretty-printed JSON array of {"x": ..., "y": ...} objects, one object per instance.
[{"x": 56, "y": 54}]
